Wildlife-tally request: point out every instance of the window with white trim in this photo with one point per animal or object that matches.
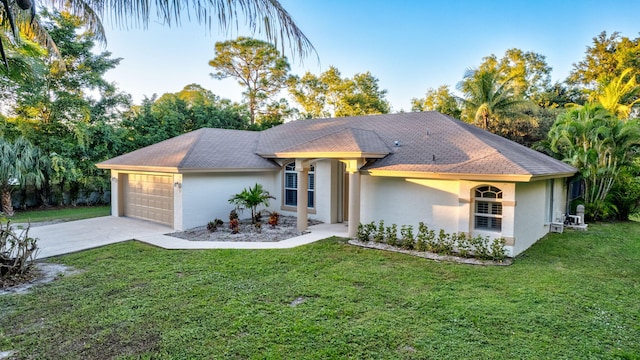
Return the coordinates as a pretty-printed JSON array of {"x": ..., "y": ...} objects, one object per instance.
[
  {"x": 488, "y": 208},
  {"x": 291, "y": 186}
]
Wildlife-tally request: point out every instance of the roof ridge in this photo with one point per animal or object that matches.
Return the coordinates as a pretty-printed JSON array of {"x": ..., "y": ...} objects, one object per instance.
[
  {"x": 200, "y": 133},
  {"x": 378, "y": 136},
  {"x": 316, "y": 138}
]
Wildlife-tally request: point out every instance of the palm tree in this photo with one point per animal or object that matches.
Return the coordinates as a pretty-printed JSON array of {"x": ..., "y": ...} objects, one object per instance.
[
  {"x": 599, "y": 145},
  {"x": 251, "y": 198},
  {"x": 17, "y": 167},
  {"x": 619, "y": 96},
  {"x": 263, "y": 16},
  {"x": 487, "y": 101}
]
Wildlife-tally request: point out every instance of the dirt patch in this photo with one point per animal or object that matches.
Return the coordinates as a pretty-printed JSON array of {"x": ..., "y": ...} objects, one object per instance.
[
  {"x": 41, "y": 273},
  {"x": 286, "y": 229}
]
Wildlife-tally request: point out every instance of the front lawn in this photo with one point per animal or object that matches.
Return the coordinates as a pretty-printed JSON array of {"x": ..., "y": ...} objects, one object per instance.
[
  {"x": 60, "y": 214},
  {"x": 573, "y": 295}
]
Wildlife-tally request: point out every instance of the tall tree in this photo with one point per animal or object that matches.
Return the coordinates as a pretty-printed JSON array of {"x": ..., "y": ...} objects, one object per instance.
[
  {"x": 440, "y": 100},
  {"x": 558, "y": 96},
  {"x": 363, "y": 97},
  {"x": 332, "y": 95},
  {"x": 17, "y": 168},
  {"x": 173, "y": 114},
  {"x": 69, "y": 109},
  {"x": 599, "y": 145},
  {"x": 310, "y": 92},
  {"x": 25, "y": 60},
  {"x": 257, "y": 66},
  {"x": 60, "y": 93},
  {"x": 527, "y": 72},
  {"x": 606, "y": 59},
  {"x": 620, "y": 94},
  {"x": 266, "y": 17},
  {"x": 487, "y": 100}
]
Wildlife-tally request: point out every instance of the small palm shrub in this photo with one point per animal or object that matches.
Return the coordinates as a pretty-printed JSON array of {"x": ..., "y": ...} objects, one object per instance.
[{"x": 251, "y": 198}]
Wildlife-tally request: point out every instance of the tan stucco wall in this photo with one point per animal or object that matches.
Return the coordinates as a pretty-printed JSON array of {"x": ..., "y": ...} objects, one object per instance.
[
  {"x": 408, "y": 201},
  {"x": 447, "y": 205},
  {"x": 206, "y": 196},
  {"x": 534, "y": 211}
]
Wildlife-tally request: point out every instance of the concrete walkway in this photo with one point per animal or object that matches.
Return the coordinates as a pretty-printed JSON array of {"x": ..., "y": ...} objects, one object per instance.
[{"x": 73, "y": 236}]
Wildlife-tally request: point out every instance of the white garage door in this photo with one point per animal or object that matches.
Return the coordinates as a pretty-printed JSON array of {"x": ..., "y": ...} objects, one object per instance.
[{"x": 149, "y": 197}]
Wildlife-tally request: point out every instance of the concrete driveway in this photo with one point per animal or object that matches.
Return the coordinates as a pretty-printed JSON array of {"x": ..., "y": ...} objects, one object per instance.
[{"x": 72, "y": 236}]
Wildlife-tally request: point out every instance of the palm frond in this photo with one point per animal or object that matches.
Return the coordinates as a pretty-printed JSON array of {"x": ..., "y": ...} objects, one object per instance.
[
  {"x": 266, "y": 17},
  {"x": 90, "y": 13}
]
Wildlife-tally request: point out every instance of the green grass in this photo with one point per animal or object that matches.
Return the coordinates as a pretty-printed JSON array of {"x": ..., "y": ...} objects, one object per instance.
[
  {"x": 64, "y": 214},
  {"x": 572, "y": 296}
]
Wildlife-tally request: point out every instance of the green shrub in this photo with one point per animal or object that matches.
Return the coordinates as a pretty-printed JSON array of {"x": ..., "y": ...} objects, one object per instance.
[
  {"x": 408, "y": 241},
  {"x": 497, "y": 249},
  {"x": 432, "y": 241},
  {"x": 365, "y": 231},
  {"x": 480, "y": 247},
  {"x": 360, "y": 235},
  {"x": 392, "y": 235},
  {"x": 445, "y": 243},
  {"x": 463, "y": 245},
  {"x": 379, "y": 235},
  {"x": 423, "y": 237}
]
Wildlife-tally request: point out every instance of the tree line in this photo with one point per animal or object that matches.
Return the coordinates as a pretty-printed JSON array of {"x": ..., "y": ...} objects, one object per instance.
[{"x": 60, "y": 107}]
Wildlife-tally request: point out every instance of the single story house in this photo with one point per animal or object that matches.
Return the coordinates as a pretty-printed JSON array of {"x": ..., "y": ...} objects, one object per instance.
[{"x": 401, "y": 168}]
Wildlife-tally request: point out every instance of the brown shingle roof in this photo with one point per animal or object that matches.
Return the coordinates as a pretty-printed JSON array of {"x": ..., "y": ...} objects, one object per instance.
[
  {"x": 457, "y": 147},
  {"x": 203, "y": 149},
  {"x": 430, "y": 144},
  {"x": 343, "y": 141}
]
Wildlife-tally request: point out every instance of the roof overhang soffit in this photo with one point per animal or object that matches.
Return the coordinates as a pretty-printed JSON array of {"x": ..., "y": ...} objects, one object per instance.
[
  {"x": 471, "y": 177},
  {"x": 327, "y": 155}
]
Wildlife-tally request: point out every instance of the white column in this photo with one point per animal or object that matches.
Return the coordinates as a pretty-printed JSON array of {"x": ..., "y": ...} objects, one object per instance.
[
  {"x": 302, "y": 168},
  {"x": 178, "y": 209},
  {"x": 116, "y": 193},
  {"x": 353, "y": 168}
]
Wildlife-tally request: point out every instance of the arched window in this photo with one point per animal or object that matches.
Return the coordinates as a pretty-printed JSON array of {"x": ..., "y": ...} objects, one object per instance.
[
  {"x": 488, "y": 208},
  {"x": 291, "y": 186}
]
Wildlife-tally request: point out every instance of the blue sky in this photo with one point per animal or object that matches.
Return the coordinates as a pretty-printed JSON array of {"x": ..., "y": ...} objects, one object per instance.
[{"x": 409, "y": 46}]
